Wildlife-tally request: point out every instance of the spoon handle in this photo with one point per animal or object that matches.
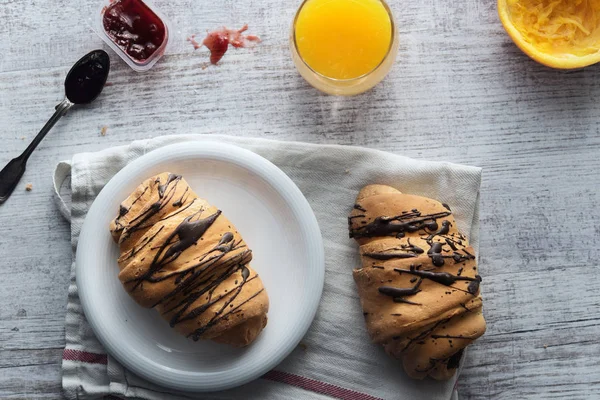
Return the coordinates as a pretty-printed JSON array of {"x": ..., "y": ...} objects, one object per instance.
[
  {"x": 14, "y": 170},
  {"x": 61, "y": 109}
]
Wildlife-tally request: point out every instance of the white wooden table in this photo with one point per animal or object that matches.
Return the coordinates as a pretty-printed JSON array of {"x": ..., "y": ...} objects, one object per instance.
[{"x": 460, "y": 91}]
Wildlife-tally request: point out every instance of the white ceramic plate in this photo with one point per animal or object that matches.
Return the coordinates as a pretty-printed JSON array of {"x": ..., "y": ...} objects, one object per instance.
[{"x": 276, "y": 222}]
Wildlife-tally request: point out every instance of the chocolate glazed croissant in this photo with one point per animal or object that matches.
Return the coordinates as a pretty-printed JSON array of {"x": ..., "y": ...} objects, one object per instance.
[
  {"x": 181, "y": 256},
  {"x": 418, "y": 284}
]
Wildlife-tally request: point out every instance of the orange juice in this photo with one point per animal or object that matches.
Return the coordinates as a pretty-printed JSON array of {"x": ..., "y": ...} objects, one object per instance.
[
  {"x": 343, "y": 39},
  {"x": 343, "y": 47}
]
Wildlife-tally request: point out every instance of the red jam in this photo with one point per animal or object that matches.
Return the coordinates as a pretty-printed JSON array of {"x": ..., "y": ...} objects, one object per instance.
[
  {"x": 135, "y": 28},
  {"x": 218, "y": 41}
]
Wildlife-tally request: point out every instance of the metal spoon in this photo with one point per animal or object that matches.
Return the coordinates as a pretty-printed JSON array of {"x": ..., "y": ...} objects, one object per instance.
[{"x": 83, "y": 84}]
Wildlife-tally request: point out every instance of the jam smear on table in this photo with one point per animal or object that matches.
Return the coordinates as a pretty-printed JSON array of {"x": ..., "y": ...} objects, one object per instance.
[
  {"x": 134, "y": 27},
  {"x": 218, "y": 41}
]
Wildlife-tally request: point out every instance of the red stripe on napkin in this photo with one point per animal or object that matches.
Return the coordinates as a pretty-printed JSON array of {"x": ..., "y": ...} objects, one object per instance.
[
  {"x": 276, "y": 376},
  {"x": 84, "y": 356},
  {"x": 317, "y": 386}
]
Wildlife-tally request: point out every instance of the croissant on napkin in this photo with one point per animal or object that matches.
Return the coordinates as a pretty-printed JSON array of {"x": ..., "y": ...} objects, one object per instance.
[
  {"x": 182, "y": 256},
  {"x": 418, "y": 284}
]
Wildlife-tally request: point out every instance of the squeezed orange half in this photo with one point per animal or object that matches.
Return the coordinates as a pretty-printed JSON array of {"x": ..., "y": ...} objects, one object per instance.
[{"x": 558, "y": 33}]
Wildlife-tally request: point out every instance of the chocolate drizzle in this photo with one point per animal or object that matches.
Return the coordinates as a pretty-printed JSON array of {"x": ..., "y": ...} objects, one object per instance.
[
  {"x": 404, "y": 251},
  {"x": 183, "y": 198},
  {"x": 389, "y": 256},
  {"x": 166, "y": 191},
  {"x": 423, "y": 334},
  {"x": 355, "y": 216},
  {"x": 435, "y": 253},
  {"x": 451, "y": 337},
  {"x": 444, "y": 230},
  {"x": 431, "y": 228},
  {"x": 199, "y": 277},
  {"x": 398, "y": 293},
  {"x": 185, "y": 235},
  {"x": 454, "y": 360},
  {"x": 451, "y": 244},
  {"x": 451, "y": 362},
  {"x": 163, "y": 187},
  {"x": 473, "y": 287},
  {"x": 144, "y": 242},
  {"x": 436, "y": 249},
  {"x": 444, "y": 278},
  {"x": 123, "y": 211},
  {"x": 412, "y": 221},
  {"x": 398, "y": 225},
  {"x": 359, "y": 207},
  {"x": 205, "y": 267}
]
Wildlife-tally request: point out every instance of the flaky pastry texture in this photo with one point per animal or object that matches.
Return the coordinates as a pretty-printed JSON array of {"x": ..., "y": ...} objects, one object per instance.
[
  {"x": 418, "y": 284},
  {"x": 183, "y": 257}
]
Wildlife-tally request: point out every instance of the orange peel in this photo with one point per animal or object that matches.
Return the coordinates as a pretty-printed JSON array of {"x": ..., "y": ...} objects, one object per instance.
[{"x": 561, "y": 34}]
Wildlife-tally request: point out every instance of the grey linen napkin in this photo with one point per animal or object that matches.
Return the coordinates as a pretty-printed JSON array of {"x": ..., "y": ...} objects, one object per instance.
[{"x": 336, "y": 358}]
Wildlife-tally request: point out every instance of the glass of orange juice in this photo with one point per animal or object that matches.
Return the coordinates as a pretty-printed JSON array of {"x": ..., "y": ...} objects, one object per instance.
[{"x": 344, "y": 47}]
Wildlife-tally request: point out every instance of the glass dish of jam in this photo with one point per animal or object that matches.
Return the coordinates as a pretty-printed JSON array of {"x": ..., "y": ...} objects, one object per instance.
[{"x": 135, "y": 30}]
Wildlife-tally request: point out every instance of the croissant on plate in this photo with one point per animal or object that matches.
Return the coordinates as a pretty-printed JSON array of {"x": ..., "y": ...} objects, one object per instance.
[
  {"x": 418, "y": 284},
  {"x": 182, "y": 256}
]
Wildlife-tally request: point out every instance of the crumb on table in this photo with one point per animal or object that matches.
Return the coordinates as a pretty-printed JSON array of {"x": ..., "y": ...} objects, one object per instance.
[
  {"x": 103, "y": 130},
  {"x": 303, "y": 346},
  {"x": 29, "y": 187}
]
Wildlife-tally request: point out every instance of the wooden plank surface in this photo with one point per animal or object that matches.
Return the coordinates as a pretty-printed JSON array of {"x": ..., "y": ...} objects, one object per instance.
[{"x": 460, "y": 91}]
